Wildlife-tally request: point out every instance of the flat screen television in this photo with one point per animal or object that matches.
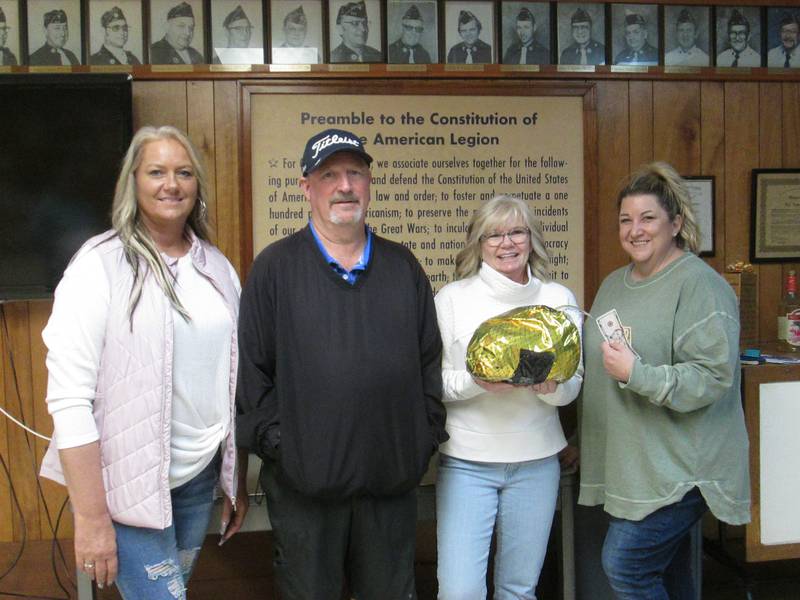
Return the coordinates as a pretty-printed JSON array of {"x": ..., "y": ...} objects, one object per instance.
[{"x": 61, "y": 145}]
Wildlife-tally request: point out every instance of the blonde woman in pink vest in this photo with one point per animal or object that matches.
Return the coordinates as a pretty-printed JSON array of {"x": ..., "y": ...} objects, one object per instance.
[{"x": 141, "y": 378}]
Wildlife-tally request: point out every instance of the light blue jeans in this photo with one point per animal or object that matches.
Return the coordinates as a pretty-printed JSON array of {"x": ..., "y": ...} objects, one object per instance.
[
  {"x": 474, "y": 498},
  {"x": 155, "y": 564}
]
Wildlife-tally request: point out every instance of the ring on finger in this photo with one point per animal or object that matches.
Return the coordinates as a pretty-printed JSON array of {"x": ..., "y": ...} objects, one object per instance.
[{"x": 88, "y": 565}]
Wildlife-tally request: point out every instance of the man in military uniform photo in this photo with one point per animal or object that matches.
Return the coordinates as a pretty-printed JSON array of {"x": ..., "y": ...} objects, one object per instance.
[
  {"x": 354, "y": 30},
  {"x": 526, "y": 50},
  {"x": 786, "y": 54},
  {"x": 686, "y": 53},
  {"x": 295, "y": 29},
  {"x": 7, "y": 57},
  {"x": 174, "y": 48},
  {"x": 472, "y": 49},
  {"x": 238, "y": 31},
  {"x": 56, "y": 34},
  {"x": 113, "y": 52},
  {"x": 584, "y": 50},
  {"x": 407, "y": 49},
  {"x": 637, "y": 51},
  {"x": 739, "y": 54}
]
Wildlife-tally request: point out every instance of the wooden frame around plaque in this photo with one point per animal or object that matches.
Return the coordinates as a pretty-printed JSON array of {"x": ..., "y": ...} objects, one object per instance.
[{"x": 271, "y": 160}]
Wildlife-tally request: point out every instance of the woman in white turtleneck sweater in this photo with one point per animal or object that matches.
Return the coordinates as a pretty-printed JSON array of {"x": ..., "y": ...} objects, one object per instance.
[{"x": 500, "y": 468}]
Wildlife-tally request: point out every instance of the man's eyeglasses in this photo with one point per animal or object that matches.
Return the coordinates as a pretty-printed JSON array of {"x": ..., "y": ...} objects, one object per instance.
[
  {"x": 241, "y": 28},
  {"x": 355, "y": 23},
  {"x": 417, "y": 28},
  {"x": 118, "y": 28},
  {"x": 517, "y": 236}
]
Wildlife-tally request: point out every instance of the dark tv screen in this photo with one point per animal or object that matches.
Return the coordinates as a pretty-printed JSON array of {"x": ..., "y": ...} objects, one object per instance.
[{"x": 62, "y": 142}]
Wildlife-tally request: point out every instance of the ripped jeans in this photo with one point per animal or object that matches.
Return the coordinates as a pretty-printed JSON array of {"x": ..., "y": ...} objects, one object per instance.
[{"x": 155, "y": 564}]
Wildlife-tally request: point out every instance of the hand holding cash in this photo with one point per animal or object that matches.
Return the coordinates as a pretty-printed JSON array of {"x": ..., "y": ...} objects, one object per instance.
[{"x": 618, "y": 354}]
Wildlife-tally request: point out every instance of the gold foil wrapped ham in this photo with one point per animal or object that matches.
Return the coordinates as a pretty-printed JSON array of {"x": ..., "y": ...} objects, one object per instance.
[{"x": 525, "y": 345}]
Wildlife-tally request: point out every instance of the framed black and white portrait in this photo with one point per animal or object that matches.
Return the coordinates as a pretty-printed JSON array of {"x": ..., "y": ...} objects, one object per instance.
[
  {"x": 738, "y": 35},
  {"x": 412, "y": 32},
  {"x": 526, "y": 33},
  {"x": 116, "y": 32},
  {"x": 10, "y": 55},
  {"x": 355, "y": 31},
  {"x": 634, "y": 34},
  {"x": 783, "y": 37},
  {"x": 469, "y": 32},
  {"x": 177, "y": 36},
  {"x": 54, "y": 33},
  {"x": 237, "y": 32},
  {"x": 687, "y": 36},
  {"x": 581, "y": 33},
  {"x": 296, "y": 27}
]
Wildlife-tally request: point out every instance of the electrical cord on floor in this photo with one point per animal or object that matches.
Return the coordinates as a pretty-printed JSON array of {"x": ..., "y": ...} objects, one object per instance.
[{"x": 32, "y": 455}]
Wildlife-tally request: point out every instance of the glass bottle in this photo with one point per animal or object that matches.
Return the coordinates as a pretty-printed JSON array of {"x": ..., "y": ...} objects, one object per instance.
[{"x": 789, "y": 315}]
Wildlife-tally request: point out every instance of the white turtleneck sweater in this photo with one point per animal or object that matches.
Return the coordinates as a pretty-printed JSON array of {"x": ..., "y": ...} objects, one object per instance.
[{"x": 512, "y": 426}]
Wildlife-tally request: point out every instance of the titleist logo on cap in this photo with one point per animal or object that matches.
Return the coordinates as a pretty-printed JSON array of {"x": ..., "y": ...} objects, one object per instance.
[{"x": 323, "y": 143}]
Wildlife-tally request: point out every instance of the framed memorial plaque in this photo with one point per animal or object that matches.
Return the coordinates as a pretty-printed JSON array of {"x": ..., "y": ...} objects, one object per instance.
[
  {"x": 775, "y": 215},
  {"x": 701, "y": 190}
]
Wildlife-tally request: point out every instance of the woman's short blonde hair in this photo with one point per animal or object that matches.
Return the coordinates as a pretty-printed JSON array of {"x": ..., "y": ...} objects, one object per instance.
[
  {"x": 495, "y": 213},
  {"x": 662, "y": 181}
]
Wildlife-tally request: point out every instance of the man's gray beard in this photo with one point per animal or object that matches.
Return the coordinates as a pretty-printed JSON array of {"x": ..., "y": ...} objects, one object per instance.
[{"x": 353, "y": 218}]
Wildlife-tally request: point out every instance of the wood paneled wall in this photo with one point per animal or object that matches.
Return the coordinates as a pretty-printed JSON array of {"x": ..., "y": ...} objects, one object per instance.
[{"x": 720, "y": 128}]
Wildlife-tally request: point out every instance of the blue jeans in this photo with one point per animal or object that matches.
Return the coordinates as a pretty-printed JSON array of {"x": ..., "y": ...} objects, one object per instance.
[
  {"x": 474, "y": 498},
  {"x": 650, "y": 559},
  {"x": 155, "y": 564}
]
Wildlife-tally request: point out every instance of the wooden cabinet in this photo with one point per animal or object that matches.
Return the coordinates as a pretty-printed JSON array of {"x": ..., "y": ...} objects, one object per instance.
[{"x": 771, "y": 395}]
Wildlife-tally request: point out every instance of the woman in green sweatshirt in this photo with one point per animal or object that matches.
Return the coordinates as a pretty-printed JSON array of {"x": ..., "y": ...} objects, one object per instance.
[{"x": 662, "y": 428}]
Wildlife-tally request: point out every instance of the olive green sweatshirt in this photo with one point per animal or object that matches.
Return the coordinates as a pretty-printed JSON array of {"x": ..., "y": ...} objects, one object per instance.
[{"x": 678, "y": 422}]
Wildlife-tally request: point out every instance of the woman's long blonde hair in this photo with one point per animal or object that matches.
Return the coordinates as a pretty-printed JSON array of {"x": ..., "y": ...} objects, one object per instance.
[
  {"x": 140, "y": 250},
  {"x": 662, "y": 181},
  {"x": 497, "y": 212}
]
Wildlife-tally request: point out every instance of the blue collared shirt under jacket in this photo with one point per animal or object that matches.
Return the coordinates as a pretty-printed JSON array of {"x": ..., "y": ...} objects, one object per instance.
[{"x": 352, "y": 275}]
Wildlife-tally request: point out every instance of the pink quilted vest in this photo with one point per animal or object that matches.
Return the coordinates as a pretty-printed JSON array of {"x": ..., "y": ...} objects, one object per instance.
[{"x": 133, "y": 400}]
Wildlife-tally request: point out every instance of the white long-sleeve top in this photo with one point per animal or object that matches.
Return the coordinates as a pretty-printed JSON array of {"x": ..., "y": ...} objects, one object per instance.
[
  {"x": 512, "y": 426},
  {"x": 201, "y": 362}
]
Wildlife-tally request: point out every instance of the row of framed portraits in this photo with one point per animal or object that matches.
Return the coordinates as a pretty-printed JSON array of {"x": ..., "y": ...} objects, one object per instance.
[{"x": 113, "y": 32}]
